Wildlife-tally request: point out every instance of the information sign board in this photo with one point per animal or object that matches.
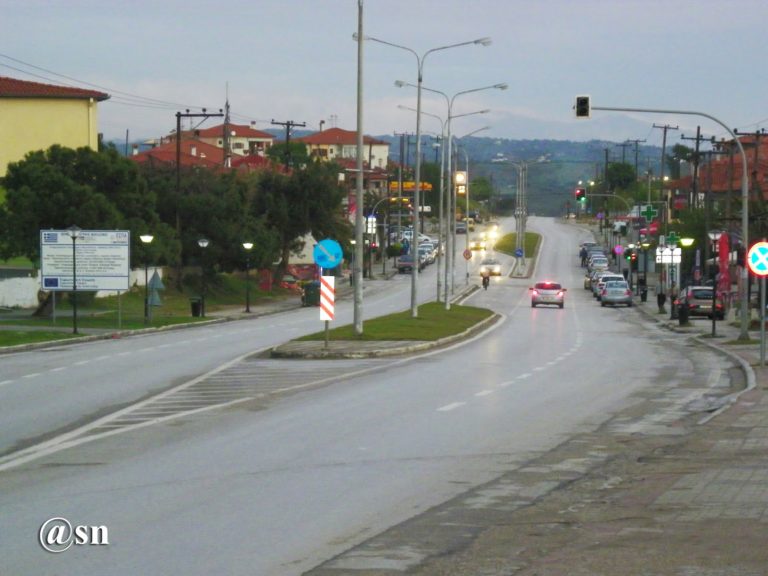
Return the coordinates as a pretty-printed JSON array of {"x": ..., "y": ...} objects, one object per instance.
[{"x": 102, "y": 259}]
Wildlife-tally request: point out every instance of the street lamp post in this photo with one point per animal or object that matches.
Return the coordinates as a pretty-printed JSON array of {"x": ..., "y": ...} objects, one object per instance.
[
  {"x": 247, "y": 246},
  {"x": 74, "y": 233},
  {"x": 203, "y": 243},
  {"x": 466, "y": 212},
  {"x": 147, "y": 240},
  {"x": 417, "y": 176},
  {"x": 451, "y": 198}
]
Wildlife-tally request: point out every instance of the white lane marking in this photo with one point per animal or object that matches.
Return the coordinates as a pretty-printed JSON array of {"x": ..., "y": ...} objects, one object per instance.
[
  {"x": 539, "y": 369},
  {"x": 484, "y": 393},
  {"x": 524, "y": 376},
  {"x": 33, "y": 375},
  {"x": 81, "y": 363},
  {"x": 449, "y": 407},
  {"x": 57, "y": 369},
  {"x": 124, "y": 353},
  {"x": 4, "y": 382}
]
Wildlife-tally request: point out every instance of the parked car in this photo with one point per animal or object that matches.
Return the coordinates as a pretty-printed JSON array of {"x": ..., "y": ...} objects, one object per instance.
[
  {"x": 699, "y": 302},
  {"x": 461, "y": 227},
  {"x": 490, "y": 265},
  {"x": 616, "y": 292},
  {"x": 598, "y": 283},
  {"x": 547, "y": 293}
]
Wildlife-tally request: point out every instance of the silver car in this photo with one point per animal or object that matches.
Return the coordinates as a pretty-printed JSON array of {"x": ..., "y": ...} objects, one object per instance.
[
  {"x": 547, "y": 293},
  {"x": 616, "y": 292}
]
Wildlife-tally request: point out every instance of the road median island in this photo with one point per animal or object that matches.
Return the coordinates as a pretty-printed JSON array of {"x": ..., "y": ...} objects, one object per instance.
[{"x": 394, "y": 334}]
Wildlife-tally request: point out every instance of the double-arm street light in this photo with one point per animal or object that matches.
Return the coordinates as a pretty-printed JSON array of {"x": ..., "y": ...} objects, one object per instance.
[
  {"x": 466, "y": 212},
  {"x": 451, "y": 230},
  {"x": 420, "y": 59}
]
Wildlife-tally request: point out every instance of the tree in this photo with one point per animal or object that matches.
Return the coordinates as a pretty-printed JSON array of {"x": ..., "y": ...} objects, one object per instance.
[
  {"x": 620, "y": 175},
  {"x": 293, "y": 154},
  {"x": 59, "y": 187},
  {"x": 306, "y": 201}
]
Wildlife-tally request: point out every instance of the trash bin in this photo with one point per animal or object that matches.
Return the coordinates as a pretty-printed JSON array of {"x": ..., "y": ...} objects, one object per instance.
[
  {"x": 682, "y": 314},
  {"x": 310, "y": 294},
  {"x": 196, "y": 304},
  {"x": 643, "y": 294}
]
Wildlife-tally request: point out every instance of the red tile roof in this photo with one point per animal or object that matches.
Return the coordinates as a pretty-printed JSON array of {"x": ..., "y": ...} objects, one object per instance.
[
  {"x": 15, "y": 88},
  {"x": 193, "y": 153},
  {"x": 337, "y": 137},
  {"x": 240, "y": 130}
]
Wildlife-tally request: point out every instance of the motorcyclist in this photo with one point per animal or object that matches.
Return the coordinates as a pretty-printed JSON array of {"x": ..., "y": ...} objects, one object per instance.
[{"x": 486, "y": 274}]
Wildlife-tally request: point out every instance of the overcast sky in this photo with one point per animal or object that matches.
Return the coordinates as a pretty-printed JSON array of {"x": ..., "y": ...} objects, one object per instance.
[{"x": 296, "y": 60}]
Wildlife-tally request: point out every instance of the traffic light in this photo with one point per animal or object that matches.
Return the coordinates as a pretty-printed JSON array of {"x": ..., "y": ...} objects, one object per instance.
[
  {"x": 582, "y": 107},
  {"x": 460, "y": 179},
  {"x": 628, "y": 254},
  {"x": 581, "y": 194}
]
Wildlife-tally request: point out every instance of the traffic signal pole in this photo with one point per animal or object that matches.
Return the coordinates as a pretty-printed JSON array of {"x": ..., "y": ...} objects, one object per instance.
[{"x": 583, "y": 110}]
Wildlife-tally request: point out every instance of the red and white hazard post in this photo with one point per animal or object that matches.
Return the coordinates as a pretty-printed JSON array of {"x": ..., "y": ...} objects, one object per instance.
[{"x": 327, "y": 300}]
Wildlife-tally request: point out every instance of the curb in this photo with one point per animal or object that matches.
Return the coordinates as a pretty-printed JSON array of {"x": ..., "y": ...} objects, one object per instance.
[{"x": 387, "y": 349}]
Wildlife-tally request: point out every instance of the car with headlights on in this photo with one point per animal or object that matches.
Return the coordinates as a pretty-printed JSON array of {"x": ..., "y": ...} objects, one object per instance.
[
  {"x": 491, "y": 266},
  {"x": 547, "y": 292},
  {"x": 616, "y": 292},
  {"x": 477, "y": 243}
]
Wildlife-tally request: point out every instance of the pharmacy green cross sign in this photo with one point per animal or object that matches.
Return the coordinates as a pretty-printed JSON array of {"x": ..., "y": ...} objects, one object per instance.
[
  {"x": 672, "y": 238},
  {"x": 649, "y": 213}
]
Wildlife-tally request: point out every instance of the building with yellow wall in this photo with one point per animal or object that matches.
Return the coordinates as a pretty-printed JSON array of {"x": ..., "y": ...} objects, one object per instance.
[{"x": 35, "y": 116}]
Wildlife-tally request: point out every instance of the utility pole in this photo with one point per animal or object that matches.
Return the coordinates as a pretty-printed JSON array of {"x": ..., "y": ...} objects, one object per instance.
[
  {"x": 665, "y": 128},
  {"x": 400, "y": 183},
  {"x": 226, "y": 139},
  {"x": 179, "y": 115},
  {"x": 756, "y": 163},
  {"x": 637, "y": 153},
  {"x": 624, "y": 146},
  {"x": 695, "y": 180},
  {"x": 289, "y": 125}
]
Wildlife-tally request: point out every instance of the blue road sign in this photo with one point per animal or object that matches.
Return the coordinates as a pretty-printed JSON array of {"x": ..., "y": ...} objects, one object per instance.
[
  {"x": 519, "y": 252},
  {"x": 757, "y": 258},
  {"x": 328, "y": 253}
]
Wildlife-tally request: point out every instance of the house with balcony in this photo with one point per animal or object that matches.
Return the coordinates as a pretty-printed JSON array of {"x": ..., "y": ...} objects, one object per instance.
[
  {"x": 337, "y": 144},
  {"x": 35, "y": 116},
  {"x": 243, "y": 140},
  {"x": 721, "y": 174}
]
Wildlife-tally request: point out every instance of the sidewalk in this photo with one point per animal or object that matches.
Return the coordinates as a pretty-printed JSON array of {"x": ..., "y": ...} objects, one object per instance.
[{"x": 676, "y": 484}]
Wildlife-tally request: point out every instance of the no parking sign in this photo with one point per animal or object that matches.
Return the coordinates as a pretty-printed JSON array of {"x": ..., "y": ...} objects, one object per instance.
[{"x": 757, "y": 258}]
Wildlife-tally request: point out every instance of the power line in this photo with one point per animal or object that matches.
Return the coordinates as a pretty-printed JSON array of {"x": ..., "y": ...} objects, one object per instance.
[{"x": 84, "y": 83}]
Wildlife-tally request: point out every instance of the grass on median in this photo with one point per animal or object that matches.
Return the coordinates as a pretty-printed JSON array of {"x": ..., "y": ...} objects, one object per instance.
[
  {"x": 508, "y": 243},
  {"x": 432, "y": 323},
  {"x": 16, "y": 337}
]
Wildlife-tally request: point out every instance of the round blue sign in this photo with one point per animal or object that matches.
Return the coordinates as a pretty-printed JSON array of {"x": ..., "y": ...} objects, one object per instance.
[
  {"x": 328, "y": 253},
  {"x": 519, "y": 252}
]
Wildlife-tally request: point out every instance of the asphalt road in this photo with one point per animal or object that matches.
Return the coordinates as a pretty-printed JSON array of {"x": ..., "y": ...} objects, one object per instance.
[{"x": 284, "y": 482}]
